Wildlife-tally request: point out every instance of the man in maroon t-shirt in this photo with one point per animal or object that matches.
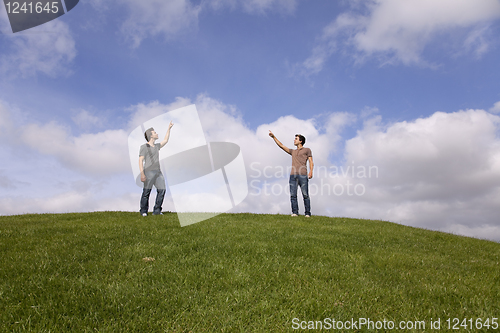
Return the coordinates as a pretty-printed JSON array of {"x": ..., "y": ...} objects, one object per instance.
[{"x": 299, "y": 175}]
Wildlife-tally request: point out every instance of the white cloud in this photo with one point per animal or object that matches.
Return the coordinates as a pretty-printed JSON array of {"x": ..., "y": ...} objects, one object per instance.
[
  {"x": 48, "y": 49},
  {"x": 477, "y": 41},
  {"x": 368, "y": 111},
  {"x": 260, "y": 6},
  {"x": 481, "y": 231},
  {"x": 69, "y": 202},
  {"x": 257, "y": 6},
  {"x": 169, "y": 19},
  {"x": 435, "y": 172},
  {"x": 158, "y": 17},
  {"x": 495, "y": 108},
  {"x": 141, "y": 112},
  {"x": 102, "y": 153},
  {"x": 430, "y": 149},
  {"x": 440, "y": 172},
  {"x": 397, "y": 31},
  {"x": 84, "y": 119}
]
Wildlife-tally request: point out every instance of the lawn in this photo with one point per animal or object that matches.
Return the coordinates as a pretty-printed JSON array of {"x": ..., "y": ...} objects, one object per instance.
[{"x": 120, "y": 272}]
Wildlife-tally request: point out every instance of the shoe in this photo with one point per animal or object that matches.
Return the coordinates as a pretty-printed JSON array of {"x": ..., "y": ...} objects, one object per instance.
[
  {"x": 294, "y": 215},
  {"x": 158, "y": 214},
  {"x": 308, "y": 215},
  {"x": 144, "y": 214}
]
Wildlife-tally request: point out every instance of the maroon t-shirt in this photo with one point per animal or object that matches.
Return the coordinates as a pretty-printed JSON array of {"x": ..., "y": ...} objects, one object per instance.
[{"x": 299, "y": 160}]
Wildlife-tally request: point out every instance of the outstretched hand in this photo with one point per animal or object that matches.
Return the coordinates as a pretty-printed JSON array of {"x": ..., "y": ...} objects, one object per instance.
[
  {"x": 271, "y": 134},
  {"x": 170, "y": 125}
]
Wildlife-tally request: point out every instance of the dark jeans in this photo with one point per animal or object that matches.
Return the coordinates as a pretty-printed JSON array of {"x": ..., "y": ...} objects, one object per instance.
[
  {"x": 153, "y": 177},
  {"x": 303, "y": 182}
]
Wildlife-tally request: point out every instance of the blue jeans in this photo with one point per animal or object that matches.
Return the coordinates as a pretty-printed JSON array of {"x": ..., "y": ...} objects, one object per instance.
[
  {"x": 303, "y": 182},
  {"x": 153, "y": 177}
]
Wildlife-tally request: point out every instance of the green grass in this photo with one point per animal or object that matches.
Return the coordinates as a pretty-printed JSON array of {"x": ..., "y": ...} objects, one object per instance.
[{"x": 235, "y": 273}]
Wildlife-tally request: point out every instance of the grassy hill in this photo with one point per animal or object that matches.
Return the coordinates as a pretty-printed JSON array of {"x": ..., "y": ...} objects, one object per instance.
[{"x": 117, "y": 272}]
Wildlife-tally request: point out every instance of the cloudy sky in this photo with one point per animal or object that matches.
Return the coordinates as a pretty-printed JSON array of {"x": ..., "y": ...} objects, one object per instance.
[{"x": 399, "y": 102}]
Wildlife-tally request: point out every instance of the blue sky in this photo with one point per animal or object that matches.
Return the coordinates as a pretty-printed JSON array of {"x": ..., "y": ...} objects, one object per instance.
[{"x": 410, "y": 87}]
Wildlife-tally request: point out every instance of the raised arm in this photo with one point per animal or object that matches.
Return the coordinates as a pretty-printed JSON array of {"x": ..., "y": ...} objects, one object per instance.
[
  {"x": 286, "y": 149},
  {"x": 167, "y": 136}
]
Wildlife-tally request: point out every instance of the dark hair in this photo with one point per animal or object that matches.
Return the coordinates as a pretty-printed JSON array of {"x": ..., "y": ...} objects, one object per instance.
[
  {"x": 301, "y": 138},
  {"x": 147, "y": 134}
]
